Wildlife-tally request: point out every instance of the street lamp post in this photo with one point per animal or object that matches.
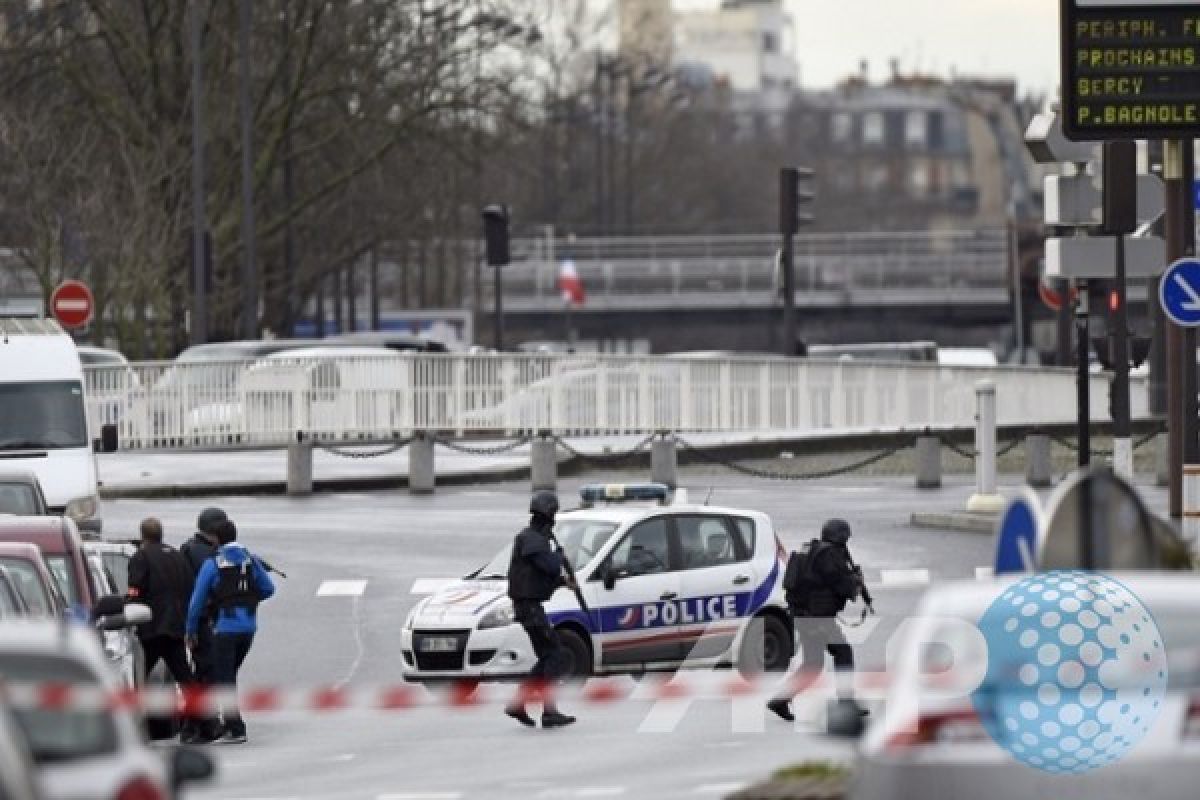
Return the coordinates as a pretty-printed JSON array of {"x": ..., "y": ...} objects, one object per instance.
[{"x": 199, "y": 326}]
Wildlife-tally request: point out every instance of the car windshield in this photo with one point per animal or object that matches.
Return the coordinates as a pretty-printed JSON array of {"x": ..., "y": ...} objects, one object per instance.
[
  {"x": 117, "y": 566},
  {"x": 58, "y": 735},
  {"x": 42, "y": 415},
  {"x": 60, "y": 568},
  {"x": 18, "y": 498},
  {"x": 581, "y": 540},
  {"x": 30, "y": 585}
]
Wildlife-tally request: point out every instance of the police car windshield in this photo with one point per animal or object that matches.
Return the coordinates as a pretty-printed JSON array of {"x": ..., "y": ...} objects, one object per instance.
[{"x": 581, "y": 539}]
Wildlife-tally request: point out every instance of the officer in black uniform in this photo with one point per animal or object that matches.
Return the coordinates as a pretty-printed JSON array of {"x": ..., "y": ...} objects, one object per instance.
[
  {"x": 835, "y": 583},
  {"x": 196, "y": 551},
  {"x": 534, "y": 573}
]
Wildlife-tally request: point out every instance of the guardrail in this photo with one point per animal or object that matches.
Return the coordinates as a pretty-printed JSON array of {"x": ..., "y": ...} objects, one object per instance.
[{"x": 371, "y": 399}]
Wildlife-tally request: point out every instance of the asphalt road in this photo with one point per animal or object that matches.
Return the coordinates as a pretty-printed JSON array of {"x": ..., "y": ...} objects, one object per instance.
[{"x": 381, "y": 543}]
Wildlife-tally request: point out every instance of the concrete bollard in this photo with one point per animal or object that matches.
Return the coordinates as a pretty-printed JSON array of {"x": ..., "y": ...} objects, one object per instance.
[
  {"x": 1039, "y": 469},
  {"x": 985, "y": 500},
  {"x": 422, "y": 476},
  {"x": 929, "y": 462},
  {"x": 543, "y": 464},
  {"x": 1162, "y": 460},
  {"x": 664, "y": 465},
  {"x": 300, "y": 468},
  {"x": 1191, "y": 503}
]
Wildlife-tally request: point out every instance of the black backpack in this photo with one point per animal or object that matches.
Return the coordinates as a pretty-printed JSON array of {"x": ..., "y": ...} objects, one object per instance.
[{"x": 800, "y": 577}]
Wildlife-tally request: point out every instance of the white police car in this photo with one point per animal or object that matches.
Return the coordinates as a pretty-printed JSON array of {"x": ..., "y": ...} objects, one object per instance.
[{"x": 667, "y": 586}]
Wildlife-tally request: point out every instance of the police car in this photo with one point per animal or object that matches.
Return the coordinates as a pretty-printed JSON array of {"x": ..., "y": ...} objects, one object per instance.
[{"x": 665, "y": 586}]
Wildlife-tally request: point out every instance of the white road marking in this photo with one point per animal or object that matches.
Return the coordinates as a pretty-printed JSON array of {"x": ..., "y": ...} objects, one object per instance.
[
  {"x": 420, "y": 796},
  {"x": 342, "y": 759},
  {"x": 984, "y": 573},
  {"x": 341, "y": 589},
  {"x": 431, "y": 585},
  {"x": 587, "y": 791},
  {"x": 904, "y": 577},
  {"x": 718, "y": 788}
]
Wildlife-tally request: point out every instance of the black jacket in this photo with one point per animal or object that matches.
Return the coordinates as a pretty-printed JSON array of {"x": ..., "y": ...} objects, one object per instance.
[
  {"x": 197, "y": 550},
  {"x": 535, "y": 569},
  {"x": 837, "y": 583},
  {"x": 159, "y": 577}
]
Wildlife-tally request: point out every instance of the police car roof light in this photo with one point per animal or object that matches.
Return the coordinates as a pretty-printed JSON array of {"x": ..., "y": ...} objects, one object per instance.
[{"x": 623, "y": 492}]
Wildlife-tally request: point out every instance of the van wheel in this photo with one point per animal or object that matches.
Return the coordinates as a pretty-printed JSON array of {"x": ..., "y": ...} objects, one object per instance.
[
  {"x": 579, "y": 655},
  {"x": 766, "y": 647}
]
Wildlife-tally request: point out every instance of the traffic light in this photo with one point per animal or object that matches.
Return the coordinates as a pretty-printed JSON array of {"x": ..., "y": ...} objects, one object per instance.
[
  {"x": 797, "y": 192},
  {"x": 495, "y": 235},
  {"x": 1139, "y": 350}
]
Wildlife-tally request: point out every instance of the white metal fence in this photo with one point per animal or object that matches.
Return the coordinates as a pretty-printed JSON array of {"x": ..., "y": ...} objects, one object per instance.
[{"x": 346, "y": 398}]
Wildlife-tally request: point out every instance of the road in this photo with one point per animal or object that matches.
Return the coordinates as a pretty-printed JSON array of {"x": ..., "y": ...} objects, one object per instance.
[{"x": 380, "y": 543}]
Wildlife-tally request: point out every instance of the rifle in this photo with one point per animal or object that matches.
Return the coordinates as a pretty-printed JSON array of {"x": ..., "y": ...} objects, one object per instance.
[
  {"x": 862, "y": 583},
  {"x": 571, "y": 575},
  {"x": 267, "y": 566}
]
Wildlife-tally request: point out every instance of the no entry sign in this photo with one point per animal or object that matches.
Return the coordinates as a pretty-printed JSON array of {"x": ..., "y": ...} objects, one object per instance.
[{"x": 72, "y": 304}]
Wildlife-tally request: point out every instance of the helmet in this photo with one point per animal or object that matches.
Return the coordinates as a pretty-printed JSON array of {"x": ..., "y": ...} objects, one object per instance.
[
  {"x": 209, "y": 519},
  {"x": 544, "y": 503},
  {"x": 836, "y": 531}
]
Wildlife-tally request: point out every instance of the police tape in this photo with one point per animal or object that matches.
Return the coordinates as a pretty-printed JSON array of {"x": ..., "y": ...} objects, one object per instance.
[{"x": 463, "y": 694}]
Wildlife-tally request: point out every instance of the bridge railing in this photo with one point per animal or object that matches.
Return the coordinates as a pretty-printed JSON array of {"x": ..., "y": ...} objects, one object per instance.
[
  {"x": 269, "y": 402},
  {"x": 623, "y": 266}
]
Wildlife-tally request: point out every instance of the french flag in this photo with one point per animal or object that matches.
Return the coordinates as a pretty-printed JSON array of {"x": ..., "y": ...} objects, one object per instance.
[{"x": 570, "y": 284}]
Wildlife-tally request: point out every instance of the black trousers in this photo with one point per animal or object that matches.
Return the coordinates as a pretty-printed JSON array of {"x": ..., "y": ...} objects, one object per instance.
[
  {"x": 173, "y": 653},
  {"x": 552, "y": 658},
  {"x": 229, "y": 651}
]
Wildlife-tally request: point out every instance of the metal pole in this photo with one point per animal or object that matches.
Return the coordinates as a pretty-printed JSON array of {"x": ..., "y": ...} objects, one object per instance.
[
  {"x": 374, "y": 278},
  {"x": 249, "y": 273},
  {"x": 1063, "y": 322},
  {"x": 1178, "y": 203},
  {"x": 1122, "y": 444},
  {"x": 290, "y": 309},
  {"x": 1014, "y": 262},
  {"x": 498, "y": 317},
  {"x": 1082, "y": 377},
  {"x": 199, "y": 328},
  {"x": 789, "y": 295}
]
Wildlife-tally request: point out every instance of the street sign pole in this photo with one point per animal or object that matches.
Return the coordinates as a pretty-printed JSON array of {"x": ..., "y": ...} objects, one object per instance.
[
  {"x": 1081, "y": 375},
  {"x": 1178, "y": 200},
  {"x": 1191, "y": 444},
  {"x": 1120, "y": 218}
]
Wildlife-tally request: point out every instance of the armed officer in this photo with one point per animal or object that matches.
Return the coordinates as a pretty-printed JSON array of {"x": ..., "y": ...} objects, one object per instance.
[
  {"x": 829, "y": 581},
  {"x": 535, "y": 571}
]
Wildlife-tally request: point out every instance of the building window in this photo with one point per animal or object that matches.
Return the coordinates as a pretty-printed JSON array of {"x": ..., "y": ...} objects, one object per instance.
[
  {"x": 915, "y": 130},
  {"x": 918, "y": 179},
  {"x": 770, "y": 42},
  {"x": 841, "y": 127},
  {"x": 872, "y": 133}
]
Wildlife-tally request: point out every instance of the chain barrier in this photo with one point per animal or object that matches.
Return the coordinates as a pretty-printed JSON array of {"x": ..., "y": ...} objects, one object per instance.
[
  {"x": 1074, "y": 448},
  {"x": 507, "y": 447},
  {"x": 603, "y": 458},
  {"x": 947, "y": 443},
  {"x": 344, "y": 453},
  {"x": 792, "y": 476}
]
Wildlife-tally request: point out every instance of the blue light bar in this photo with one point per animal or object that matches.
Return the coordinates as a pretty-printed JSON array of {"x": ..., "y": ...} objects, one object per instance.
[{"x": 623, "y": 492}]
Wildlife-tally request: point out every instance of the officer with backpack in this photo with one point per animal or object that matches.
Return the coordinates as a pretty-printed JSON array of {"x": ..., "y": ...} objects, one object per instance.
[
  {"x": 819, "y": 581},
  {"x": 232, "y": 583}
]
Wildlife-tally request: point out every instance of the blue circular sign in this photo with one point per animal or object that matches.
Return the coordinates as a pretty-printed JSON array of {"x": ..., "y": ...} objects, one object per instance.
[
  {"x": 1077, "y": 671},
  {"x": 1179, "y": 292}
]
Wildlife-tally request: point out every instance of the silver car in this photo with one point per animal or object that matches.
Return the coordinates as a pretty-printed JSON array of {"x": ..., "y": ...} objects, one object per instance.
[{"x": 930, "y": 742}]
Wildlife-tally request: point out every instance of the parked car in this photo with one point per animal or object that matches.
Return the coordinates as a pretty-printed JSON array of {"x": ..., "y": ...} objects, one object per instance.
[
  {"x": 91, "y": 356},
  {"x": 392, "y": 340},
  {"x": 935, "y": 743},
  {"x": 62, "y": 549},
  {"x": 89, "y": 753},
  {"x": 32, "y": 578},
  {"x": 21, "y": 493},
  {"x": 18, "y": 775},
  {"x": 121, "y": 645}
]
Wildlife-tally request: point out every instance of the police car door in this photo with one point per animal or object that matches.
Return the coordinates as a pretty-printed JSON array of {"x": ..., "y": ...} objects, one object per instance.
[
  {"x": 718, "y": 581},
  {"x": 638, "y": 620}
]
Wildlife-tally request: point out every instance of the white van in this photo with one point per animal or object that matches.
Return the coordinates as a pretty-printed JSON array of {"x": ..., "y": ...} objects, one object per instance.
[{"x": 43, "y": 423}]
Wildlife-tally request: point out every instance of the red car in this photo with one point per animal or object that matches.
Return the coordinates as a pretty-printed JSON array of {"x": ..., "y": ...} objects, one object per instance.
[
  {"x": 62, "y": 549},
  {"x": 32, "y": 578}
]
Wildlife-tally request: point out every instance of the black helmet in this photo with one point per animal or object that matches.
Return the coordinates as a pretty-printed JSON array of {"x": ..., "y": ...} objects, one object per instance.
[
  {"x": 209, "y": 519},
  {"x": 836, "y": 531},
  {"x": 544, "y": 503}
]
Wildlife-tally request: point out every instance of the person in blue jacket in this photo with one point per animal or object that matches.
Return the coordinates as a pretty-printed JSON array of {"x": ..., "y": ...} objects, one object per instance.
[{"x": 230, "y": 586}]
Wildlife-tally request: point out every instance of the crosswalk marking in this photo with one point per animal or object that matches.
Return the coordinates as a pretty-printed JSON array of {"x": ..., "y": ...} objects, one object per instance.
[
  {"x": 341, "y": 588},
  {"x": 904, "y": 577}
]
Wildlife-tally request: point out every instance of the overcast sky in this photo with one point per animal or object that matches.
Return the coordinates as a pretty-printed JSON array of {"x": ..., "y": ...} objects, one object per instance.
[{"x": 1017, "y": 38}]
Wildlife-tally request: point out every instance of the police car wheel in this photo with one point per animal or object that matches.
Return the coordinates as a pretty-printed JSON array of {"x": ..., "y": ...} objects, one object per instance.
[
  {"x": 579, "y": 652},
  {"x": 766, "y": 647}
]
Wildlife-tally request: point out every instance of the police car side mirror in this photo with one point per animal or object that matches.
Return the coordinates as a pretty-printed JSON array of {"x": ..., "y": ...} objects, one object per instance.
[{"x": 610, "y": 577}]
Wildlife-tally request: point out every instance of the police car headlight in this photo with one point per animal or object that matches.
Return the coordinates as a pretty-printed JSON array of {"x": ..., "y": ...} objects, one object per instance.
[
  {"x": 499, "y": 616},
  {"x": 83, "y": 508}
]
